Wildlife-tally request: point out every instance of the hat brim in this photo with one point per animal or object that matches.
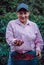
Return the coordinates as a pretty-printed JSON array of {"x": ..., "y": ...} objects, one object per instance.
[{"x": 22, "y": 8}]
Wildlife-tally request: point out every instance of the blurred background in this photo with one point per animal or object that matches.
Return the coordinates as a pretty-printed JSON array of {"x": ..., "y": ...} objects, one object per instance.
[{"x": 8, "y": 12}]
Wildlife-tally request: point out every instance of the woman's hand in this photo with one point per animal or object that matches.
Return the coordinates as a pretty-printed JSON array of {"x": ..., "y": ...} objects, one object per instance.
[
  {"x": 18, "y": 42},
  {"x": 38, "y": 53}
]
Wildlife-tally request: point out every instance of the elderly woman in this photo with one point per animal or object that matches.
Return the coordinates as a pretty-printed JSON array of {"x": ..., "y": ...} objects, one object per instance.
[{"x": 24, "y": 39}]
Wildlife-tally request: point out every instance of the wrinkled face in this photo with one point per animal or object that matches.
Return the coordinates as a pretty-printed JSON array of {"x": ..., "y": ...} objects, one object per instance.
[{"x": 23, "y": 15}]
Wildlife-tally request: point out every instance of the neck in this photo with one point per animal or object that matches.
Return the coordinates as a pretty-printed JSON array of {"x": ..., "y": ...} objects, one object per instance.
[{"x": 24, "y": 22}]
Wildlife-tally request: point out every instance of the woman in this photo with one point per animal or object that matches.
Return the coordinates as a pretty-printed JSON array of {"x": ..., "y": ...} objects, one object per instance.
[{"x": 24, "y": 39}]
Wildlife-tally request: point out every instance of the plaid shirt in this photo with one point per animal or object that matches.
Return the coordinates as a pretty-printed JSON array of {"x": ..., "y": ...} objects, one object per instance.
[{"x": 29, "y": 33}]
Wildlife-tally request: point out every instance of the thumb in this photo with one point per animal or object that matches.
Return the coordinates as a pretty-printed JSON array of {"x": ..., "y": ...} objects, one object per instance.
[{"x": 38, "y": 53}]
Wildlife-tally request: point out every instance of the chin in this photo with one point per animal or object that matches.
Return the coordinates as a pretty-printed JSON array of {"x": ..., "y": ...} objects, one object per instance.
[{"x": 22, "y": 21}]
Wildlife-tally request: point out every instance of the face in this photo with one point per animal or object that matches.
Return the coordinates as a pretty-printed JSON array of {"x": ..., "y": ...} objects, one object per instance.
[{"x": 23, "y": 15}]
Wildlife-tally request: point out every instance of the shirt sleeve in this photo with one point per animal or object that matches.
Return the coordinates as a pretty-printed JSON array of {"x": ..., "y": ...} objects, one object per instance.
[
  {"x": 38, "y": 40},
  {"x": 9, "y": 35}
]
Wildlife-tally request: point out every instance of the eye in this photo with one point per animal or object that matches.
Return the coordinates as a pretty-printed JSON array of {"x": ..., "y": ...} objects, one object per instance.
[
  {"x": 25, "y": 12},
  {"x": 21, "y": 13}
]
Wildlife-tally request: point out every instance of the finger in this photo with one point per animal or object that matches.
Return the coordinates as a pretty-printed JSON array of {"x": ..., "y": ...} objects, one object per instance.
[
  {"x": 22, "y": 42},
  {"x": 39, "y": 56},
  {"x": 16, "y": 42}
]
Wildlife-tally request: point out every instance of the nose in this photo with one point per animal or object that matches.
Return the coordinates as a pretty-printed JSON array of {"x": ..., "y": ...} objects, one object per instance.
[{"x": 23, "y": 15}]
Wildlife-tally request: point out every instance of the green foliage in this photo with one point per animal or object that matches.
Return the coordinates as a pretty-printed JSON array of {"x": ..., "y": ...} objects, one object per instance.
[
  {"x": 37, "y": 7},
  {"x": 4, "y": 48},
  {"x": 10, "y": 16},
  {"x": 8, "y": 12}
]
